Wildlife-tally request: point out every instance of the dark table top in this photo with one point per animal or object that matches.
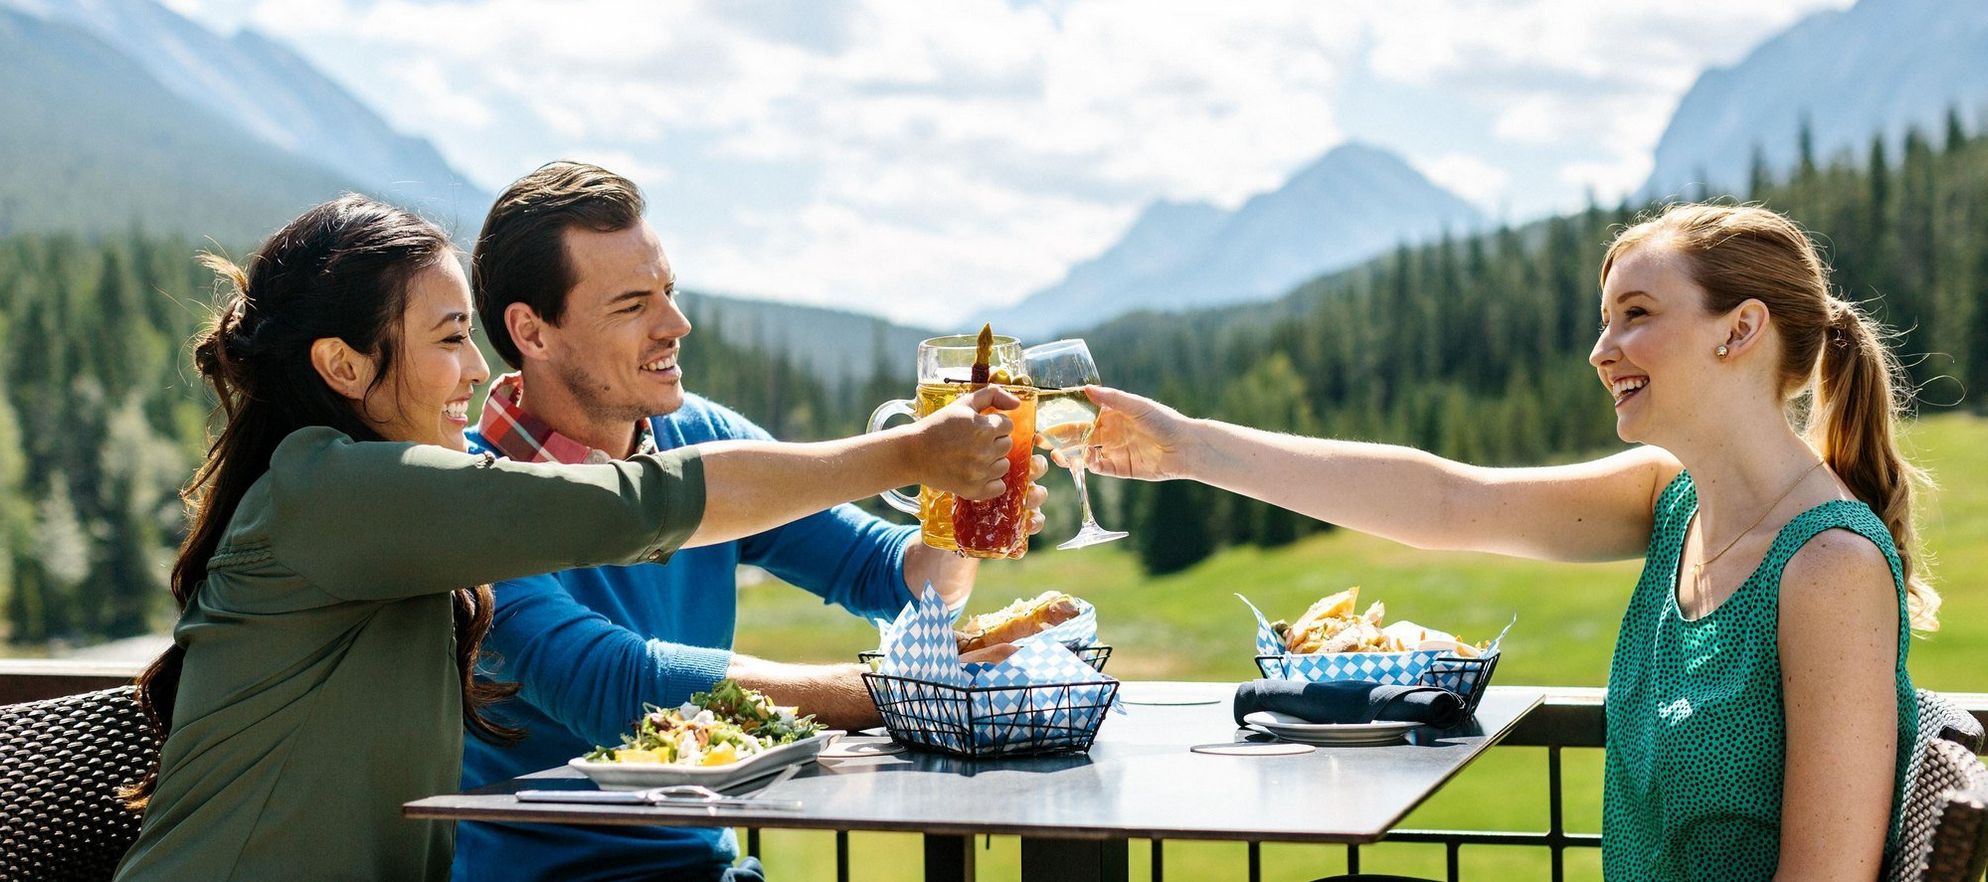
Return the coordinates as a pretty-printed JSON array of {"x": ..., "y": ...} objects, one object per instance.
[{"x": 1139, "y": 780}]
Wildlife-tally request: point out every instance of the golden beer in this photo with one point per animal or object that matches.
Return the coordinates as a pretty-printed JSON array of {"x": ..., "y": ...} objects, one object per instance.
[
  {"x": 990, "y": 527},
  {"x": 986, "y": 528}
]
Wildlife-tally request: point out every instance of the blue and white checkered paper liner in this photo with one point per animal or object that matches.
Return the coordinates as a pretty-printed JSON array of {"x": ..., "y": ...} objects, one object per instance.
[
  {"x": 920, "y": 646},
  {"x": 1397, "y": 668}
]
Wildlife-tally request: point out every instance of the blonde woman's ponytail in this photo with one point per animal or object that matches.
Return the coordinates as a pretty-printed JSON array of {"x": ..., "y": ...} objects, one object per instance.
[{"x": 1853, "y": 424}]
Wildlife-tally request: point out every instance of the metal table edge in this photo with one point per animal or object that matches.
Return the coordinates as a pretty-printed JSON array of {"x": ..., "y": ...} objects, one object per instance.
[
  {"x": 439, "y": 808},
  {"x": 438, "y": 811}
]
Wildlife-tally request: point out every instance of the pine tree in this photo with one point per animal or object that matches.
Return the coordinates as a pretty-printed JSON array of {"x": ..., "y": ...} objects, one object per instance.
[
  {"x": 139, "y": 470},
  {"x": 1805, "y": 151},
  {"x": 16, "y": 517},
  {"x": 1174, "y": 532},
  {"x": 1759, "y": 175},
  {"x": 60, "y": 562}
]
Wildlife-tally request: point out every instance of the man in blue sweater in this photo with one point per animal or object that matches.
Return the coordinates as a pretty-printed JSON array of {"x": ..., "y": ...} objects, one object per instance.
[{"x": 574, "y": 291}]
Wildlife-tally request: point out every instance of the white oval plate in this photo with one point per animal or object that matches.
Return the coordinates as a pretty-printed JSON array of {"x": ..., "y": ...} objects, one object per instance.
[
  {"x": 642, "y": 776},
  {"x": 1292, "y": 728}
]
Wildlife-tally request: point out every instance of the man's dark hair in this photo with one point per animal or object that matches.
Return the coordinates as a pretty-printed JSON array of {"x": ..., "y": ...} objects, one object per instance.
[{"x": 521, "y": 256}]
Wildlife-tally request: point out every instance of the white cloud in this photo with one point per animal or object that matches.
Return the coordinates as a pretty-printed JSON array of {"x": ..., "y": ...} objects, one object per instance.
[
  {"x": 430, "y": 85},
  {"x": 1468, "y": 176},
  {"x": 925, "y": 159},
  {"x": 1609, "y": 181}
]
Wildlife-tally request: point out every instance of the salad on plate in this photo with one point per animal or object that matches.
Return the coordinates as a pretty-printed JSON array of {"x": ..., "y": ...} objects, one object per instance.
[{"x": 726, "y": 725}]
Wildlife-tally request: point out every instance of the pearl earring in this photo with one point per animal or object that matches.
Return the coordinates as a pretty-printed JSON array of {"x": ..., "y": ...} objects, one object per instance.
[{"x": 1721, "y": 351}]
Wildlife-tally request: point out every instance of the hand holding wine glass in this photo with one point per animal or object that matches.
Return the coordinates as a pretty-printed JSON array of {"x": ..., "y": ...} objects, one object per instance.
[
  {"x": 1064, "y": 419},
  {"x": 1136, "y": 437}
]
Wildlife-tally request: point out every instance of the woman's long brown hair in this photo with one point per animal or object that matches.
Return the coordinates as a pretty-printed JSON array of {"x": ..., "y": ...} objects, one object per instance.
[
  {"x": 339, "y": 270},
  {"x": 1829, "y": 347}
]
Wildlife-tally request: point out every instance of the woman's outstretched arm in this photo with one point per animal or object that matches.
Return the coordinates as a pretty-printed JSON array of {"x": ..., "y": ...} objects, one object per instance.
[
  {"x": 754, "y": 486},
  {"x": 1598, "y": 510},
  {"x": 370, "y": 520}
]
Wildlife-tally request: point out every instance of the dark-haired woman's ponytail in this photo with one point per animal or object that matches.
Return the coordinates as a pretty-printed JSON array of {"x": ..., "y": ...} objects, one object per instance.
[
  {"x": 212, "y": 494},
  {"x": 1856, "y": 415},
  {"x": 219, "y": 351}
]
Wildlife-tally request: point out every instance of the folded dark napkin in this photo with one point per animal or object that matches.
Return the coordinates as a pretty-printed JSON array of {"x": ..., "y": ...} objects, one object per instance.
[{"x": 1350, "y": 701}]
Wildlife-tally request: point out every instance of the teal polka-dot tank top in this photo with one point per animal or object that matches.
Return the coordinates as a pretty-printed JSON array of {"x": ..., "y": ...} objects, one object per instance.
[{"x": 1696, "y": 735}]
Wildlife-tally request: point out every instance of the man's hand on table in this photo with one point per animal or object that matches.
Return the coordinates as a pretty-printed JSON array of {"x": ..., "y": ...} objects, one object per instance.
[{"x": 834, "y": 694}]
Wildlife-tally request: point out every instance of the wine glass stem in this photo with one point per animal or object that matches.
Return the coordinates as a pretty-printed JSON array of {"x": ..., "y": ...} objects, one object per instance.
[{"x": 1083, "y": 496}]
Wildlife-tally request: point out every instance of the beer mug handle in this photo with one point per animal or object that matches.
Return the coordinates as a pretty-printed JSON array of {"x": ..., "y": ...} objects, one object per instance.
[{"x": 888, "y": 409}]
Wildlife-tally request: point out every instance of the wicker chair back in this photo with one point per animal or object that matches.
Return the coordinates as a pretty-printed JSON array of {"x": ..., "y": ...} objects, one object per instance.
[{"x": 61, "y": 764}]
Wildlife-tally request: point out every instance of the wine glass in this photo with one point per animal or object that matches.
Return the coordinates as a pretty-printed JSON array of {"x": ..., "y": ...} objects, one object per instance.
[{"x": 1064, "y": 417}]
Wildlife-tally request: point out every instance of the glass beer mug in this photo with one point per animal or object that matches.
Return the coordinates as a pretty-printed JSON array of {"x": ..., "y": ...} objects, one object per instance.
[{"x": 985, "y": 528}]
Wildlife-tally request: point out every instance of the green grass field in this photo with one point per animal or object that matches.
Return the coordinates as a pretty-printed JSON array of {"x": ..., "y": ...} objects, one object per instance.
[{"x": 1189, "y": 626}]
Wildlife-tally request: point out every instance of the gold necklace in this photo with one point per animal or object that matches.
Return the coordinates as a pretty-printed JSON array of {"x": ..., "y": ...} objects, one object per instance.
[{"x": 1698, "y": 569}]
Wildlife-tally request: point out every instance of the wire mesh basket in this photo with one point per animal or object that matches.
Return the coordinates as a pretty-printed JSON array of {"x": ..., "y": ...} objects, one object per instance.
[
  {"x": 1095, "y": 656},
  {"x": 1466, "y": 677},
  {"x": 987, "y": 721}
]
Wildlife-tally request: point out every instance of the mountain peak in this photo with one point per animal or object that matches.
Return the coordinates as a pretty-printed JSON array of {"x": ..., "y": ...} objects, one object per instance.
[
  {"x": 1877, "y": 68},
  {"x": 1349, "y": 164},
  {"x": 1354, "y": 201},
  {"x": 1358, "y": 153},
  {"x": 273, "y": 94}
]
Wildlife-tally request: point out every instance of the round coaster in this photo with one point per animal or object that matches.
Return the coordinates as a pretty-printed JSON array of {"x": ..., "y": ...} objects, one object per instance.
[
  {"x": 1253, "y": 748},
  {"x": 858, "y": 745}
]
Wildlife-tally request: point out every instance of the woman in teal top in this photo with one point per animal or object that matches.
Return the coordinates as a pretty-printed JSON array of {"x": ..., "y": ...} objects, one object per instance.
[
  {"x": 1759, "y": 714},
  {"x": 319, "y": 675}
]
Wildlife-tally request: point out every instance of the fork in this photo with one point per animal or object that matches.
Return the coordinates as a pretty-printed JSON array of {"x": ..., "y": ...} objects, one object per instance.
[{"x": 694, "y": 795}]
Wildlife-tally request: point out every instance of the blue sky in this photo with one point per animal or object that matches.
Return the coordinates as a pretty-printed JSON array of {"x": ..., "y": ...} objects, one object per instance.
[{"x": 927, "y": 160}]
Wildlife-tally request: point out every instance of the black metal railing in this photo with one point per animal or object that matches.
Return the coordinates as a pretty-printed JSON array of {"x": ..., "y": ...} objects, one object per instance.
[{"x": 1568, "y": 718}]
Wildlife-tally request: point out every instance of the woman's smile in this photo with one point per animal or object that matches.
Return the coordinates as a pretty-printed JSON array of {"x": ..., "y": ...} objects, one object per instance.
[{"x": 1626, "y": 386}]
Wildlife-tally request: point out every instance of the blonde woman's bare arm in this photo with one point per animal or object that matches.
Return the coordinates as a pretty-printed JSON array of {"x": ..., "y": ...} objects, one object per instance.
[{"x": 1597, "y": 510}]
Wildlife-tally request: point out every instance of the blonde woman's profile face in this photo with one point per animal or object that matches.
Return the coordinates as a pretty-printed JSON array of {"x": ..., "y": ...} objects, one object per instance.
[{"x": 1657, "y": 343}]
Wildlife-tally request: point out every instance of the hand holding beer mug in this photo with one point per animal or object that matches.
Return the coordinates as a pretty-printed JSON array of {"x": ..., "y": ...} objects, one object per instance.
[
  {"x": 984, "y": 528},
  {"x": 963, "y": 447}
]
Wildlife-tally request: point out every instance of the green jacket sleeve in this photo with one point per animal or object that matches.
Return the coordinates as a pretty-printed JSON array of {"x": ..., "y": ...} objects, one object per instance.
[{"x": 377, "y": 520}]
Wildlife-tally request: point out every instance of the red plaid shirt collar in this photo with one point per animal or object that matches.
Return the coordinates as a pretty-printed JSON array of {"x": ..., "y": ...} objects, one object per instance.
[{"x": 512, "y": 431}]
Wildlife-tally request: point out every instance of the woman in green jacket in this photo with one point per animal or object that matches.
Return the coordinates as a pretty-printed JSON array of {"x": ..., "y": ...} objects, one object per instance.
[
  {"x": 1760, "y": 719},
  {"x": 320, "y": 674}
]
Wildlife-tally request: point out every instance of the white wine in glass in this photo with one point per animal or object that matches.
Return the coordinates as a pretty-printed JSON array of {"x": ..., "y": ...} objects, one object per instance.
[{"x": 1064, "y": 417}]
